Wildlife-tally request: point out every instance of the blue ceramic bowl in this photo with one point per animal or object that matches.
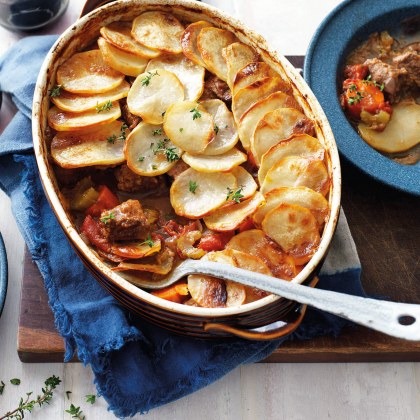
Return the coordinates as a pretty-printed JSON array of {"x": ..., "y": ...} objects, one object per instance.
[
  {"x": 346, "y": 27},
  {"x": 3, "y": 274}
]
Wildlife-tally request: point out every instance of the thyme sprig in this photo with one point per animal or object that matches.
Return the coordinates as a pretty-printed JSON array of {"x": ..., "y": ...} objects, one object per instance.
[
  {"x": 105, "y": 107},
  {"x": 76, "y": 412},
  {"x": 234, "y": 195},
  {"x": 146, "y": 80}
]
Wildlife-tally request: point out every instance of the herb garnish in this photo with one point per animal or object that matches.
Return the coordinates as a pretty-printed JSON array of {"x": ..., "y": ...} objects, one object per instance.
[
  {"x": 146, "y": 80},
  {"x": 154, "y": 166},
  {"x": 105, "y": 220},
  {"x": 76, "y": 412},
  {"x": 149, "y": 242},
  {"x": 68, "y": 394},
  {"x": 196, "y": 113},
  {"x": 216, "y": 128},
  {"x": 355, "y": 99},
  {"x": 234, "y": 195},
  {"x": 352, "y": 87},
  {"x": 157, "y": 132},
  {"x": 105, "y": 107},
  {"x": 169, "y": 152},
  {"x": 90, "y": 398},
  {"x": 193, "y": 186},
  {"x": 181, "y": 130},
  {"x": 55, "y": 91},
  {"x": 140, "y": 158},
  {"x": 15, "y": 381},
  {"x": 2, "y": 385},
  {"x": 369, "y": 80},
  {"x": 123, "y": 136}
]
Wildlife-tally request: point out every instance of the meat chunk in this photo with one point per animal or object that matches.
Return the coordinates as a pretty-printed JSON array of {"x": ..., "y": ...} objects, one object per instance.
[
  {"x": 215, "y": 88},
  {"x": 378, "y": 45},
  {"x": 179, "y": 167},
  {"x": 129, "y": 181},
  {"x": 410, "y": 61},
  {"x": 304, "y": 126},
  {"x": 131, "y": 119}
]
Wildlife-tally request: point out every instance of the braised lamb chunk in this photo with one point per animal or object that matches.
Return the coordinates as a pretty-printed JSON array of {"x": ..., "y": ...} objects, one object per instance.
[
  {"x": 410, "y": 61},
  {"x": 179, "y": 167},
  {"x": 215, "y": 88},
  {"x": 131, "y": 119},
  {"x": 129, "y": 181}
]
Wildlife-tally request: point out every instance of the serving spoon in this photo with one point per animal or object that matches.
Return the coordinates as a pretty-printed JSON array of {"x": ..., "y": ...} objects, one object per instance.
[{"x": 395, "y": 319}]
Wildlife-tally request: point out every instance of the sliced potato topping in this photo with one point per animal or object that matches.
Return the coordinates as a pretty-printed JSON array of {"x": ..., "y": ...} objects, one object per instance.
[
  {"x": 296, "y": 145},
  {"x": 190, "y": 74},
  {"x": 87, "y": 72},
  {"x": 295, "y": 229},
  {"x": 189, "y": 126},
  {"x": 122, "y": 61},
  {"x": 189, "y": 41},
  {"x": 152, "y": 93},
  {"x": 222, "y": 163},
  {"x": 69, "y": 121},
  {"x": 72, "y": 102},
  {"x": 158, "y": 31},
  {"x": 250, "y": 73},
  {"x": 119, "y": 35},
  {"x": 295, "y": 171},
  {"x": 245, "y": 181},
  {"x": 210, "y": 44},
  {"x": 149, "y": 152},
  {"x": 195, "y": 194}
]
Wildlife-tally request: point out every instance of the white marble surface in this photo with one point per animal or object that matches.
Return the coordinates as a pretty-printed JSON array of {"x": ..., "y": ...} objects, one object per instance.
[{"x": 375, "y": 391}]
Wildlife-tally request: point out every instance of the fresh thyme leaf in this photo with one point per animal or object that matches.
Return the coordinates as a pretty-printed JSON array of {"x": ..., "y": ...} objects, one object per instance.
[
  {"x": 140, "y": 158},
  {"x": 235, "y": 195},
  {"x": 68, "y": 394},
  {"x": 146, "y": 81},
  {"x": 369, "y": 78},
  {"x": 90, "y": 398},
  {"x": 352, "y": 87},
  {"x": 171, "y": 155},
  {"x": 355, "y": 99},
  {"x": 163, "y": 113},
  {"x": 76, "y": 412},
  {"x": 2, "y": 385},
  {"x": 196, "y": 113},
  {"x": 123, "y": 135},
  {"x": 111, "y": 139},
  {"x": 105, "y": 107},
  {"x": 15, "y": 381},
  {"x": 157, "y": 132},
  {"x": 216, "y": 128},
  {"x": 169, "y": 152},
  {"x": 154, "y": 166},
  {"x": 55, "y": 91},
  {"x": 148, "y": 241},
  {"x": 181, "y": 130},
  {"x": 105, "y": 220},
  {"x": 193, "y": 186}
]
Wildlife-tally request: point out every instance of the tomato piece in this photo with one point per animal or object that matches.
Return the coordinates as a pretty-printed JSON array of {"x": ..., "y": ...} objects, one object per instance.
[
  {"x": 106, "y": 200},
  {"x": 215, "y": 241},
  {"x": 356, "y": 71},
  {"x": 90, "y": 227}
]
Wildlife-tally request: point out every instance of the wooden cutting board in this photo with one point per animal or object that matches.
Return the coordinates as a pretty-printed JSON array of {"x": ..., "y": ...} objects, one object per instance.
[{"x": 385, "y": 226}]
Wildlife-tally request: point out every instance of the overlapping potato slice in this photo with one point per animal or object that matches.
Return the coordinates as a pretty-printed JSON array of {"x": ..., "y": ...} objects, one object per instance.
[
  {"x": 158, "y": 31},
  {"x": 219, "y": 163},
  {"x": 255, "y": 242},
  {"x": 295, "y": 229},
  {"x": 210, "y": 44},
  {"x": 296, "y": 171},
  {"x": 276, "y": 126},
  {"x": 244, "y": 98},
  {"x": 119, "y": 35},
  {"x": 152, "y": 93},
  {"x": 296, "y": 145},
  {"x": 301, "y": 196},
  {"x": 101, "y": 146},
  {"x": 69, "y": 121},
  {"x": 120, "y": 60},
  {"x": 229, "y": 218},
  {"x": 195, "y": 194},
  {"x": 72, "y": 102},
  {"x": 149, "y": 152},
  {"x": 190, "y": 74},
  {"x": 245, "y": 181},
  {"x": 252, "y": 116},
  {"x": 189, "y": 41},
  {"x": 87, "y": 72},
  {"x": 189, "y": 126},
  {"x": 250, "y": 73}
]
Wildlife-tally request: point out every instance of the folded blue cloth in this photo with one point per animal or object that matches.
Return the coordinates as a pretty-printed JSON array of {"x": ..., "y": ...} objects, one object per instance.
[{"x": 136, "y": 367}]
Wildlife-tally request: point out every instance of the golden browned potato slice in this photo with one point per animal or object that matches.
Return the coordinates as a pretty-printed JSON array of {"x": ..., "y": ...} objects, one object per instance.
[
  {"x": 245, "y": 181},
  {"x": 158, "y": 31},
  {"x": 250, "y": 73},
  {"x": 276, "y": 126},
  {"x": 295, "y": 171},
  {"x": 189, "y": 126},
  {"x": 222, "y": 163},
  {"x": 87, "y": 72},
  {"x": 225, "y": 132},
  {"x": 229, "y": 218},
  {"x": 100, "y": 146},
  {"x": 149, "y": 152},
  {"x": 301, "y": 196},
  {"x": 296, "y": 145},
  {"x": 210, "y": 43},
  {"x": 69, "y": 121},
  {"x": 244, "y": 98},
  {"x": 195, "y": 194},
  {"x": 122, "y": 61},
  {"x": 295, "y": 229},
  {"x": 189, "y": 41},
  {"x": 237, "y": 56},
  {"x": 119, "y": 35},
  {"x": 190, "y": 74},
  {"x": 256, "y": 243},
  {"x": 252, "y": 116},
  {"x": 152, "y": 93},
  {"x": 72, "y": 102}
]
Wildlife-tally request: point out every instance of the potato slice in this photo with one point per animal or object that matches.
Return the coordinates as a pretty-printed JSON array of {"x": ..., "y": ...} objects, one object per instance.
[
  {"x": 256, "y": 243},
  {"x": 152, "y": 93},
  {"x": 301, "y": 196},
  {"x": 210, "y": 44},
  {"x": 149, "y": 152},
  {"x": 295, "y": 171},
  {"x": 158, "y": 31},
  {"x": 245, "y": 181},
  {"x": 252, "y": 116},
  {"x": 250, "y": 73},
  {"x": 190, "y": 74},
  {"x": 276, "y": 126},
  {"x": 120, "y": 60},
  {"x": 401, "y": 133},
  {"x": 101, "y": 146},
  {"x": 69, "y": 121},
  {"x": 229, "y": 218},
  {"x": 244, "y": 98},
  {"x": 237, "y": 56},
  {"x": 189, "y": 41},
  {"x": 72, "y": 102},
  {"x": 296, "y": 145},
  {"x": 295, "y": 229},
  {"x": 189, "y": 126},
  {"x": 208, "y": 194},
  {"x": 219, "y": 163},
  {"x": 119, "y": 35}
]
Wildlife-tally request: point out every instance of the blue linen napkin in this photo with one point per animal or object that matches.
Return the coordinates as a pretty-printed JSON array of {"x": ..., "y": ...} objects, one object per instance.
[{"x": 136, "y": 367}]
